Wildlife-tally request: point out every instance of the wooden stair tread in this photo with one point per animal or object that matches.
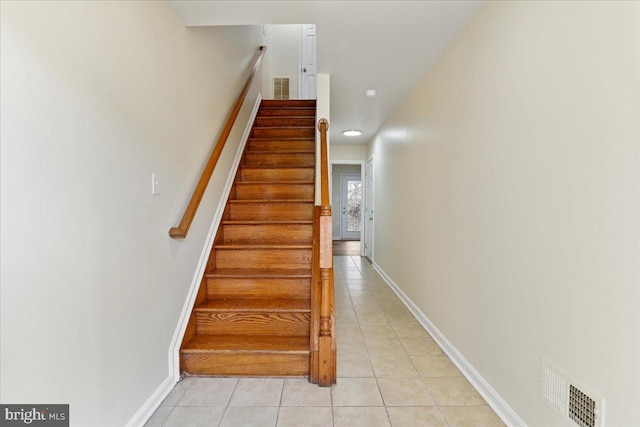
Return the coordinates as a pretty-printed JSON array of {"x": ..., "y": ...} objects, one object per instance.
[
  {"x": 255, "y": 305},
  {"x": 288, "y": 103},
  {"x": 264, "y": 273},
  {"x": 272, "y": 201},
  {"x": 288, "y": 127},
  {"x": 281, "y": 152},
  {"x": 293, "y": 117},
  {"x": 287, "y": 108},
  {"x": 267, "y": 222},
  {"x": 247, "y": 344},
  {"x": 279, "y": 139},
  {"x": 276, "y": 167},
  {"x": 263, "y": 245},
  {"x": 284, "y": 104},
  {"x": 275, "y": 182}
]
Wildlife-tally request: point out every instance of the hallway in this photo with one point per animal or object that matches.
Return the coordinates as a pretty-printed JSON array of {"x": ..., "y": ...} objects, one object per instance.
[{"x": 390, "y": 373}]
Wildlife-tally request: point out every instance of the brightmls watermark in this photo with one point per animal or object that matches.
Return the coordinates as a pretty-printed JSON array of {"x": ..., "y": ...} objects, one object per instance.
[{"x": 34, "y": 415}]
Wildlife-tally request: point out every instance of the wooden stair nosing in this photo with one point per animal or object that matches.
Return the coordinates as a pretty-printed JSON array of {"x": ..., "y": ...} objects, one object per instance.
[
  {"x": 262, "y": 245},
  {"x": 267, "y": 222},
  {"x": 280, "y": 152},
  {"x": 279, "y": 138},
  {"x": 272, "y": 201},
  {"x": 276, "y": 167},
  {"x": 299, "y": 273},
  {"x": 274, "y": 182},
  {"x": 247, "y": 344},
  {"x": 277, "y": 112},
  {"x": 286, "y": 103},
  {"x": 273, "y": 305},
  {"x": 287, "y": 121},
  {"x": 292, "y": 117}
]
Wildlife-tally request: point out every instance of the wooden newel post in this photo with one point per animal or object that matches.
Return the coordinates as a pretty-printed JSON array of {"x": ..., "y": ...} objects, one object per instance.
[
  {"x": 326, "y": 339},
  {"x": 323, "y": 127}
]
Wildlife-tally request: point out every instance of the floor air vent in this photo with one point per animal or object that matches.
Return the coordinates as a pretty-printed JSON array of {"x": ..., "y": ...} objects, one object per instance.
[{"x": 573, "y": 402}]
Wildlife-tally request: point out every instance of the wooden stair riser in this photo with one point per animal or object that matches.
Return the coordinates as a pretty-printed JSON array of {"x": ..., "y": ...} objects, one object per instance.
[
  {"x": 280, "y": 159},
  {"x": 276, "y": 174},
  {"x": 249, "y": 364},
  {"x": 259, "y": 233},
  {"x": 252, "y": 323},
  {"x": 285, "y": 121},
  {"x": 263, "y": 258},
  {"x": 281, "y": 145},
  {"x": 282, "y": 132},
  {"x": 287, "y": 112},
  {"x": 271, "y": 211},
  {"x": 288, "y": 103},
  {"x": 268, "y": 191},
  {"x": 258, "y": 288}
]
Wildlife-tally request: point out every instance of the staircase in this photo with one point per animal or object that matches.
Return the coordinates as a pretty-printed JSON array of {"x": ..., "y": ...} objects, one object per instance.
[{"x": 252, "y": 312}]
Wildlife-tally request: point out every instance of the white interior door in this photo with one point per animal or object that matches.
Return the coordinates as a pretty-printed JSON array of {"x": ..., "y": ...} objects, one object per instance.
[
  {"x": 368, "y": 210},
  {"x": 350, "y": 206},
  {"x": 308, "y": 68}
]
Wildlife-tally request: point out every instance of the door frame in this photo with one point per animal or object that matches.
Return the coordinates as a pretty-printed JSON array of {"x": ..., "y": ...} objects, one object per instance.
[
  {"x": 344, "y": 178},
  {"x": 360, "y": 163},
  {"x": 302, "y": 82},
  {"x": 369, "y": 198}
]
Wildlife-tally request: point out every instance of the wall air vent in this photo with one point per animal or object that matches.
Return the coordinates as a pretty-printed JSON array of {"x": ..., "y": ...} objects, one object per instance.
[
  {"x": 281, "y": 88},
  {"x": 574, "y": 403}
]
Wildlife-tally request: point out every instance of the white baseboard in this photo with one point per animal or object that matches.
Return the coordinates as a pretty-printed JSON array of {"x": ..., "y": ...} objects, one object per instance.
[
  {"x": 149, "y": 407},
  {"x": 174, "y": 348},
  {"x": 495, "y": 401}
]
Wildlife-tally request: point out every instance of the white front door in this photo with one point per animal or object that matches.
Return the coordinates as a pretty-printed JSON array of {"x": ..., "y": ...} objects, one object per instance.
[
  {"x": 308, "y": 68},
  {"x": 351, "y": 206},
  {"x": 368, "y": 211}
]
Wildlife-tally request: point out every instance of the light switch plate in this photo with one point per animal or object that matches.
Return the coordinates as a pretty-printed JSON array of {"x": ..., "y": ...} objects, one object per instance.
[{"x": 155, "y": 183}]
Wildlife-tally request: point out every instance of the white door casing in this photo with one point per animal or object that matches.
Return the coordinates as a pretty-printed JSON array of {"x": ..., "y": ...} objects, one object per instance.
[
  {"x": 368, "y": 210},
  {"x": 345, "y": 233}
]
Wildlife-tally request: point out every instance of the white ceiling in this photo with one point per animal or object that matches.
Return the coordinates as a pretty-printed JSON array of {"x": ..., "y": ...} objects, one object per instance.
[{"x": 383, "y": 45}]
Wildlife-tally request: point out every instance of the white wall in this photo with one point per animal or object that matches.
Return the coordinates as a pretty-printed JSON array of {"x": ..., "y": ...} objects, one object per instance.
[
  {"x": 323, "y": 111},
  {"x": 348, "y": 152},
  {"x": 510, "y": 178},
  {"x": 283, "y": 45},
  {"x": 336, "y": 173},
  {"x": 95, "y": 96}
]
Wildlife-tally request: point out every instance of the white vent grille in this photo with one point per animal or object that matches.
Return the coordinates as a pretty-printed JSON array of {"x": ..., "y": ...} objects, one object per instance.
[
  {"x": 281, "y": 88},
  {"x": 573, "y": 402}
]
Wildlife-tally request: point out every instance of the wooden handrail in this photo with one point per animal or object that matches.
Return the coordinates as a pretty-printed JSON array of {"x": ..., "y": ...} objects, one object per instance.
[
  {"x": 323, "y": 340},
  {"x": 185, "y": 223}
]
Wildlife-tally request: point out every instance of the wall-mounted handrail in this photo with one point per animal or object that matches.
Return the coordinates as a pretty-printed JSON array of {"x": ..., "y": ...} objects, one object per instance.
[
  {"x": 323, "y": 340},
  {"x": 187, "y": 218}
]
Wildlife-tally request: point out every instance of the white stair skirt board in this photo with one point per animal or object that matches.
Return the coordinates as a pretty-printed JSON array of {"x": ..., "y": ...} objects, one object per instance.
[
  {"x": 149, "y": 407},
  {"x": 495, "y": 401}
]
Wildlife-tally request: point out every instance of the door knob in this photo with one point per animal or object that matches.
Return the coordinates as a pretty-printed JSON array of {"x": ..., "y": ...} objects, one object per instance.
[{"x": 304, "y": 70}]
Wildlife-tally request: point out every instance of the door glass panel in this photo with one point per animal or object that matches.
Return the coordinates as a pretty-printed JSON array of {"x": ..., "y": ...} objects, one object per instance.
[{"x": 354, "y": 201}]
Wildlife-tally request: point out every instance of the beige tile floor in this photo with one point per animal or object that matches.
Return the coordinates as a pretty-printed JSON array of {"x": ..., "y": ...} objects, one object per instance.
[{"x": 390, "y": 373}]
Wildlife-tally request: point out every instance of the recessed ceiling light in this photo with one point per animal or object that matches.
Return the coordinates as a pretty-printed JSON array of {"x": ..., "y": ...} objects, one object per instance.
[
  {"x": 352, "y": 132},
  {"x": 370, "y": 93}
]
